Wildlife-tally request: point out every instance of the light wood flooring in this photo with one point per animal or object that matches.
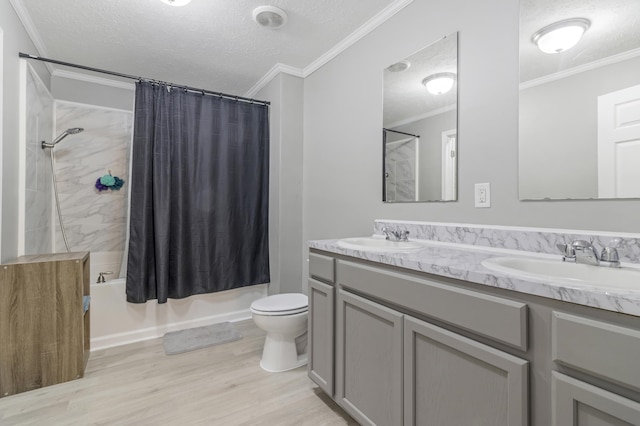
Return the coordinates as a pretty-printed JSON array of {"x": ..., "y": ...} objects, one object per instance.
[{"x": 138, "y": 384}]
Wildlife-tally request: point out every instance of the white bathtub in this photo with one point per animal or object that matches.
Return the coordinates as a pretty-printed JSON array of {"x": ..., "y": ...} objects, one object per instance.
[{"x": 115, "y": 322}]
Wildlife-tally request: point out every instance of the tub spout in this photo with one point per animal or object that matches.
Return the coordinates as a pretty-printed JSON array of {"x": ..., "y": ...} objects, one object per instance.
[{"x": 101, "y": 276}]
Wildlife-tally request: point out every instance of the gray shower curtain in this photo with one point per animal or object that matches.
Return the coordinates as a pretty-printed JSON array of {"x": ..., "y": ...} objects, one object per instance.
[{"x": 200, "y": 194}]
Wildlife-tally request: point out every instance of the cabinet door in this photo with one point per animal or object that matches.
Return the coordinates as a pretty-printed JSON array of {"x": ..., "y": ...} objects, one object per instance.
[
  {"x": 368, "y": 360},
  {"x": 452, "y": 380},
  {"x": 321, "y": 335},
  {"x": 580, "y": 404}
]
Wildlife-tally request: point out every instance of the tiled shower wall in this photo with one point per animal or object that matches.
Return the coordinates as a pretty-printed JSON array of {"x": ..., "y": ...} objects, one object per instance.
[
  {"x": 38, "y": 218},
  {"x": 94, "y": 221}
]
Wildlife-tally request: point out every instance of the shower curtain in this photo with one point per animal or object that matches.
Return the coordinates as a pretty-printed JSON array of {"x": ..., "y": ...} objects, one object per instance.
[{"x": 199, "y": 201}]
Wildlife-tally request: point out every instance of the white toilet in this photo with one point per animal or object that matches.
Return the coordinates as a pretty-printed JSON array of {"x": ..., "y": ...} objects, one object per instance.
[{"x": 284, "y": 318}]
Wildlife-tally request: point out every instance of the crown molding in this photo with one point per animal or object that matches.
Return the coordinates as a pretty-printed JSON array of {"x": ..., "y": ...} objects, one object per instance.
[
  {"x": 31, "y": 30},
  {"x": 581, "y": 68},
  {"x": 270, "y": 75},
  {"x": 93, "y": 79},
  {"x": 373, "y": 23}
]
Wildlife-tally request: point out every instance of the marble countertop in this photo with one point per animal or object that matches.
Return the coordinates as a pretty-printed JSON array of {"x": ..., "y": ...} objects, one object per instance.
[{"x": 464, "y": 262}]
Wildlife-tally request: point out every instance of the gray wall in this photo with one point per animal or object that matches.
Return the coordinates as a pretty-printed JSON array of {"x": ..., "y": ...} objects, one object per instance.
[
  {"x": 285, "y": 93},
  {"x": 14, "y": 40},
  {"x": 343, "y": 115},
  {"x": 558, "y": 131},
  {"x": 72, "y": 90}
]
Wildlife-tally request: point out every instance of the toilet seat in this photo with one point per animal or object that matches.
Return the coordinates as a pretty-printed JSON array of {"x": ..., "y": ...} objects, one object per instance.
[{"x": 281, "y": 304}]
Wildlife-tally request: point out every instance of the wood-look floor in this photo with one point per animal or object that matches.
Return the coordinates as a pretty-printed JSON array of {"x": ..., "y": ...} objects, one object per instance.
[{"x": 138, "y": 384}]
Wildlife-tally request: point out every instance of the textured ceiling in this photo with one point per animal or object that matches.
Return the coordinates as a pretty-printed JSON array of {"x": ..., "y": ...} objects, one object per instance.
[
  {"x": 405, "y": 97},
  {"x": 615, "y": 28},
  {"x": 210, "y": 44}
]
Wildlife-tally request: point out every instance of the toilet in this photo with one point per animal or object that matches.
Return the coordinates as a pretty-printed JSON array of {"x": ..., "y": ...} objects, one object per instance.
[{"x": 284, "y": 318}]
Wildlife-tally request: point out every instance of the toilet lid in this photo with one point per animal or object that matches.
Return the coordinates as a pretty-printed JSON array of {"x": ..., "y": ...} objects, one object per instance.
[{"x": 283, "y": 303}]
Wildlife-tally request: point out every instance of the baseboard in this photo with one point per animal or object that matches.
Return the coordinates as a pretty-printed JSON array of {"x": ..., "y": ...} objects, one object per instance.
[{"x": 119, "y": 339}]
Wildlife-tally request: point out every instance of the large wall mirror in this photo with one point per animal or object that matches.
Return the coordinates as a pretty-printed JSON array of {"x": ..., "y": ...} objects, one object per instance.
[
  {"x": 579, "y": 99},
  {"x": 420, "y": 125}
]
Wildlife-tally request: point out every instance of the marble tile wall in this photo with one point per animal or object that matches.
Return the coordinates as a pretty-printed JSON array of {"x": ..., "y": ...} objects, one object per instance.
[
  {"x": 539, "y": 240},
  {"x": 38, "y": 225},
  {"x": 94, "y": 221},
  {"x": 400, "y": 161}
]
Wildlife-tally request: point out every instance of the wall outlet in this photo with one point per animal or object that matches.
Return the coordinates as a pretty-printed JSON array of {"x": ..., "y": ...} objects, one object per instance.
[{"x": 483, "y": 195}]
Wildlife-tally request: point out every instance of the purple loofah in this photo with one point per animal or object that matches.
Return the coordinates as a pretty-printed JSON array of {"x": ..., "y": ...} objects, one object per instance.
[{"x": 101, "y": 187}]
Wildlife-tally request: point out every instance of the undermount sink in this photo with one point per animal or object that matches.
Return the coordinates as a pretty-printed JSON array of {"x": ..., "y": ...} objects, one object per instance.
[
  {"x": 575, "y": 273},
  {"x": 378, "y": 245}
]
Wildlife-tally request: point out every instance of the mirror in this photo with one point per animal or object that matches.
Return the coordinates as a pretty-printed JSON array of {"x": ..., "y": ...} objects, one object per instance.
[
  {"x": 420, "y": 119},
  {"x": 580, "y": 108}
]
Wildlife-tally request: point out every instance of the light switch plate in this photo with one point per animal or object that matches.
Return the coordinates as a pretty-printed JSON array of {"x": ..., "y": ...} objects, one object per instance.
[{"x": 483, "y": 195}]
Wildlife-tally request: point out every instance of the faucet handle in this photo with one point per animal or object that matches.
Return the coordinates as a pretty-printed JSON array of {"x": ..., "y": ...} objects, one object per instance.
[
  {"x": 568, "y": 252},
  {"x": 610, "y": 256}
]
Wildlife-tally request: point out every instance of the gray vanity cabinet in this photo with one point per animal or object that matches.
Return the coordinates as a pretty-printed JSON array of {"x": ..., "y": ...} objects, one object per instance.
[
  {"x": 368, "y": 360},
  {"x": 452, "y": 380},
  {"x": 321, "y": 328},
  {"x": 598, "y": 349},
  {"x": 580, "y": 404},
  {"x": 321, "y": 334}
]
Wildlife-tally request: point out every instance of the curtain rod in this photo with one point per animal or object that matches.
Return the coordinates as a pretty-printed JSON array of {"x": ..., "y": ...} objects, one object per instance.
[
  {"x": 151, "y": 80},
  {"x": 402, "y": 133}
]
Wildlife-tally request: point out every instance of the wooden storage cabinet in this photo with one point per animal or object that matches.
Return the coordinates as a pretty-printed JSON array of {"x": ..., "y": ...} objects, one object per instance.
[
  {"x": 368, "y": 360},
  {"x": 43, "y": 327},
  {"x": 452, "y": 380}
]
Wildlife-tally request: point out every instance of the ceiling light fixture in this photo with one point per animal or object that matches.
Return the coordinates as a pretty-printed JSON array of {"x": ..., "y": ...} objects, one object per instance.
[
  {"x": 399, "y": 66},
  {"x": 270, "y": 16},
  {"x": 439, "y": 83},
  {"x": 176, "y": 2},
  {"x": 561, "y": 35}
]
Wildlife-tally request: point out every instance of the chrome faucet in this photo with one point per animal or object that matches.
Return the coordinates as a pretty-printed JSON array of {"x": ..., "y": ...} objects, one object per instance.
[
  {"x": 395, "y": 235},
  {"x": 581, "y": 251}
]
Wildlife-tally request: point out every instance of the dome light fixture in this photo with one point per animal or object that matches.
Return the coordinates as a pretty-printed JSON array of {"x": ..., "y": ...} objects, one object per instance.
[
  {"x": 399, "y": 66},
  {"x": 176, "y": 2},
  {"x": 270, "y": 16},
  {"x": 439, "y": 83},
  {"x": 561, "y": 35}
]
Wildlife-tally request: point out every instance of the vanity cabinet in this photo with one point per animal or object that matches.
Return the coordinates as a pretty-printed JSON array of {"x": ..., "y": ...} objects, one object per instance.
[
  {"x": 578, "y": 403},
  {"x": 369, "y": 360},
  {"x": 452, "y": 380},
  {"x": 600, "y": 350},
  {"x": 321, "y": 335},
  {"x": 403, "y": 347},
  {"x": 44, "y": 328}
]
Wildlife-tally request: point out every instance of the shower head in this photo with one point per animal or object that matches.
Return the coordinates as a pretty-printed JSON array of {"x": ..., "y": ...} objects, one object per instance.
[{"x": 62, "y": 135}]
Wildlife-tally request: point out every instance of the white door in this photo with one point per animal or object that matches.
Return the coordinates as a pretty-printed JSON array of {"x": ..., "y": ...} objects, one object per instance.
[
  {"x": 449, "y": 166},
  {"x": 619, "y": 144}
]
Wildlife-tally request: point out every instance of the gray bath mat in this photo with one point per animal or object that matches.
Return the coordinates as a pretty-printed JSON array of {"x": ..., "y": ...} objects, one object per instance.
[{"x": 191, "y": 339}]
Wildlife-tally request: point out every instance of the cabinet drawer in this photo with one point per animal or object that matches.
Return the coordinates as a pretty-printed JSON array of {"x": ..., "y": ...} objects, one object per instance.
[
  {"x": 598, "y": 348},
  {"x": 499, "y": 319},
  {"x": 322, "y": 267}
]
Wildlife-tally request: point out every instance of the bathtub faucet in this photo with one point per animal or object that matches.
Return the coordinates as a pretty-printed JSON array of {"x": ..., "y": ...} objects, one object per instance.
[{"x": 101, "y": 276}]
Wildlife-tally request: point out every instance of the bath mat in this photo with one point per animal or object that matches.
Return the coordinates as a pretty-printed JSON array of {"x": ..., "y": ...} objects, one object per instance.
[{"x": 178, "y": 342}]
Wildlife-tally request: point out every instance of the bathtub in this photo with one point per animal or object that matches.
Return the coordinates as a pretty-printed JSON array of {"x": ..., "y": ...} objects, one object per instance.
[{"x": 115, "y": 322}]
